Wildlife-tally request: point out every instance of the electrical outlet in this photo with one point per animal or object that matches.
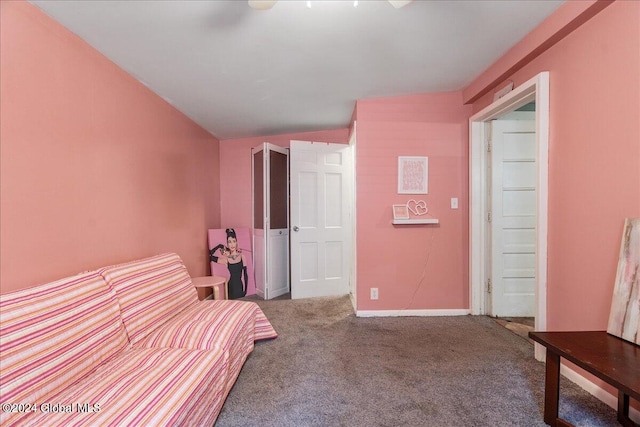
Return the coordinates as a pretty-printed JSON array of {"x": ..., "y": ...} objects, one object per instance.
[
  {"x": 374, "y": 293},
  {"x": 454, "y": 203}
]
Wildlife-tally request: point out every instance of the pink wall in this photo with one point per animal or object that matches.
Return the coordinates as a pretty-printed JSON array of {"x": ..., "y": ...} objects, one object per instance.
[
  {"x": 594, "y": 160},
  {"x": 419, "y": 266},
  {"x": 562, "y": 22},
  {"x": 95, "y": 168},
  {"x": 235, "y": 170}
]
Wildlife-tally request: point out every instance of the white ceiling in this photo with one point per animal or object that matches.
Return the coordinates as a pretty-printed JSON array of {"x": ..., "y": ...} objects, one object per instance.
[{"x": 239, "y": 72}]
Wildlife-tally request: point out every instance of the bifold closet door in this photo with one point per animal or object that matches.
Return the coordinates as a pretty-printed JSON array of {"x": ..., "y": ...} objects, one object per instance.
[{"x": 270, "y": 182}]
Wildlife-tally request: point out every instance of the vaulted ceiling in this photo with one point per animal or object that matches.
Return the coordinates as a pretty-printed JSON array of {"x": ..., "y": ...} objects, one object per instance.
[{"x": 241, "y": 72}]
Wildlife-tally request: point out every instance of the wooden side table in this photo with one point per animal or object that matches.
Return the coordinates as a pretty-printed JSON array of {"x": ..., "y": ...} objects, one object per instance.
[
  {"x": 217, "y": 283},
  {"x": 609, "y": 358}
]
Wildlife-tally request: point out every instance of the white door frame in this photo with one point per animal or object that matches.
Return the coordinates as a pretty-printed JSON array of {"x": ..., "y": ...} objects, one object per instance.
[
  {"x": 352, "y": 211},
  {"x": 537, "y": 88}
]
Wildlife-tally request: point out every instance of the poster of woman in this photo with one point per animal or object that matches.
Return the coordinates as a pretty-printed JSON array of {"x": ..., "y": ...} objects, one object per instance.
[{"x": 231, "y": 258}]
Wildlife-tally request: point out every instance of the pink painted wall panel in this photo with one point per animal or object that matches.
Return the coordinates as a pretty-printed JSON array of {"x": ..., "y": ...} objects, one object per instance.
[
  {"x": 558, "y": 25},
  {"x": 95, "y": 168},
  {"x": 594, "y": 160},
  {"x": 235, "y": 171},
  {"x": 415, "y": 267}
]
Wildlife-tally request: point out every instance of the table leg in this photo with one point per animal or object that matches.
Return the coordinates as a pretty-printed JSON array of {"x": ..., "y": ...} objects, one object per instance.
[
  {"x": 623, "y": 410},
  {"x": 551, "y": 388}
]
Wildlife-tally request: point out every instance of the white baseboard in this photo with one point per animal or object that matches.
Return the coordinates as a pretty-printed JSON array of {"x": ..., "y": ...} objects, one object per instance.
[
  {"x": 407, "y": 313},
  {"x": 596, "y": 391}
]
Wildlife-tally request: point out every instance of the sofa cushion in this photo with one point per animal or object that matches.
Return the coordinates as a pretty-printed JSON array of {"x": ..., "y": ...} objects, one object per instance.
[
  {"x": 210, "y": 310},
  {"x": 54, "y": 334},
  {"x": 232, "y": 326},
  {"x": 148, "y": 387},
  {"x": 211, "y": 322},
  {"x": 150, "y": 292}
]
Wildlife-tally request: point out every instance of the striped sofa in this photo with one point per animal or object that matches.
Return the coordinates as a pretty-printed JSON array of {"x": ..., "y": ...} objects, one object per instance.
[{"x": 125, "y": 345}]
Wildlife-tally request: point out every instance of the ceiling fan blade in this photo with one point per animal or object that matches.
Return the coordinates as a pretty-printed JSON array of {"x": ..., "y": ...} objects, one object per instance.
[
  {"x": 262, "y": 4},
  {"x": 399, "y": 3}
]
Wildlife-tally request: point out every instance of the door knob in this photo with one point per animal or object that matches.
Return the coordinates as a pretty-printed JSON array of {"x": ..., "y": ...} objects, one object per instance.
[{"x": 295, "y": 228}]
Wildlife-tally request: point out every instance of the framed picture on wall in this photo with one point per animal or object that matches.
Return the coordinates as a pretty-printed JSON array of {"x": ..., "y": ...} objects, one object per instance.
[
  {"x": 400, "y": 212},
  {"x": 413, "y": 175}
]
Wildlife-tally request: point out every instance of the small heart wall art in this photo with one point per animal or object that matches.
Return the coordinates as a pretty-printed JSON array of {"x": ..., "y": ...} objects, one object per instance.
[{"x": 417, "y": 207}]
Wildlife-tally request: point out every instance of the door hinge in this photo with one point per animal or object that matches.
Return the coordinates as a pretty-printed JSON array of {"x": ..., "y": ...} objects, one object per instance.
[
  {"x": 489, "y": 216},
  {"x": 489, "y": 286},
  {"x": 488, "y": 146}
]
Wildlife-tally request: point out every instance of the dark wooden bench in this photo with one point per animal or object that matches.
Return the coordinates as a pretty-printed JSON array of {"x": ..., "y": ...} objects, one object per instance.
[{"x": 609, "y": 358}]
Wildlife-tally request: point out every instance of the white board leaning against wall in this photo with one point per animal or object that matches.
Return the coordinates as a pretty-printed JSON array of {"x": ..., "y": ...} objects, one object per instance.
[{"x": 624, "y": 318}]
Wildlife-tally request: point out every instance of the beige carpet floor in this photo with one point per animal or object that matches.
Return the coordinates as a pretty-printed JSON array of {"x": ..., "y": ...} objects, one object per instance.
[{"x": 330, "y": 368}]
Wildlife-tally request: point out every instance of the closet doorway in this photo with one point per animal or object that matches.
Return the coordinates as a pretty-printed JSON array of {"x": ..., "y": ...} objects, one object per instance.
[
  {"x": 311, "y": 254},
  {"x": 481, "y": 256}
]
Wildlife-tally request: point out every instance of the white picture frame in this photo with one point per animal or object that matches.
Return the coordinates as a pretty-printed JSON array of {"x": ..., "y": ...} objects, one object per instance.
[
  {"x": 413, "y": 175},
  {"x": 400, "y": 212}
]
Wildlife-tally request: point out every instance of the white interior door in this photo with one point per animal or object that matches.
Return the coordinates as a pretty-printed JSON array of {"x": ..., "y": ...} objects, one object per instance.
[
  {"x": 270, "y": 183},
  {"x": 513, "y": 218},
  {"x": 320, "y": 219}
]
